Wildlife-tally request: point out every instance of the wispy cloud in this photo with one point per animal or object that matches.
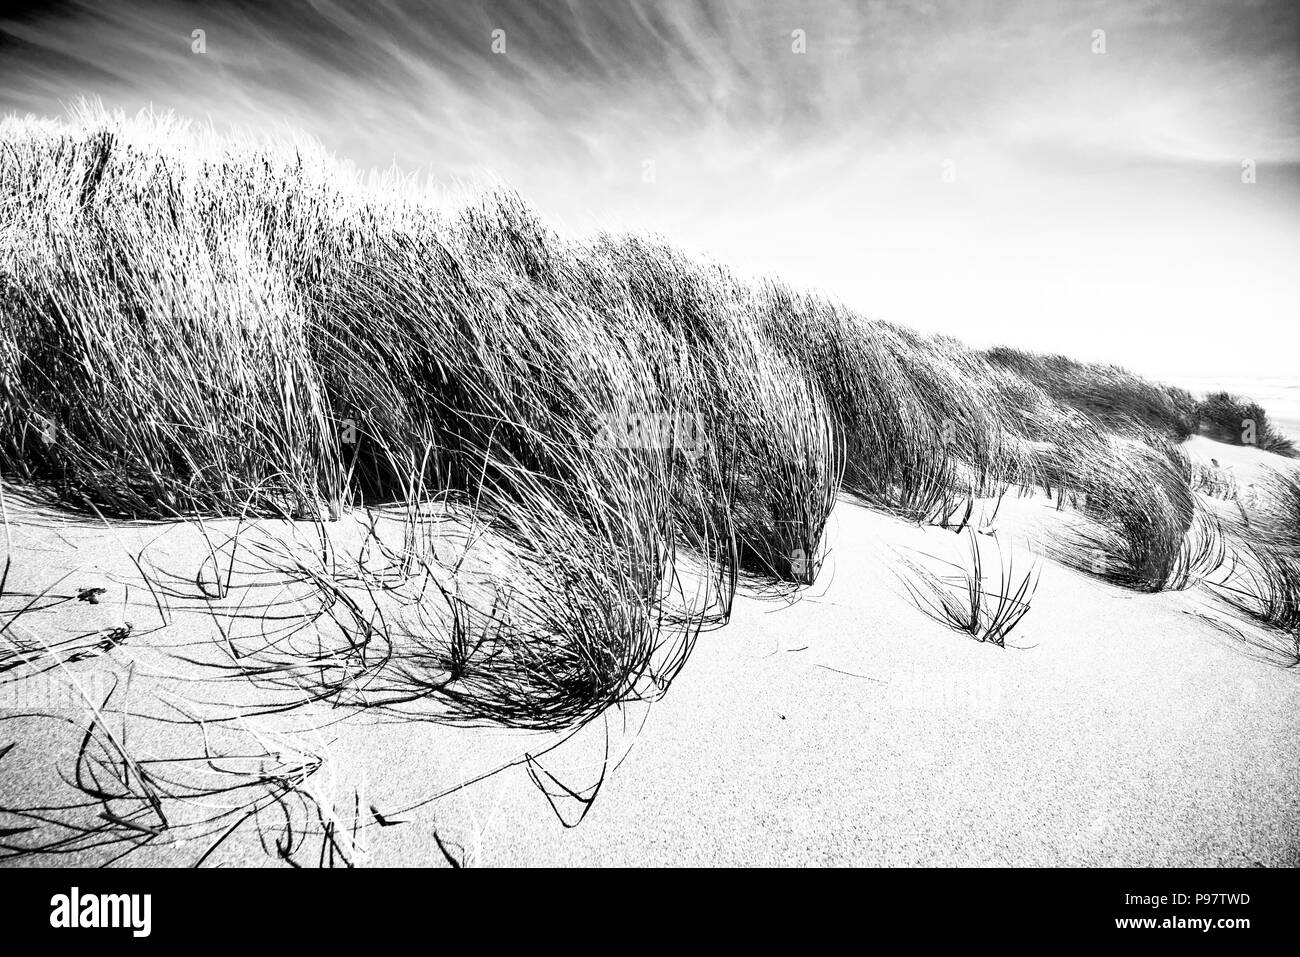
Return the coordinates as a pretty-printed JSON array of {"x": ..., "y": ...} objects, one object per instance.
[{"x": 823, "y": 165}]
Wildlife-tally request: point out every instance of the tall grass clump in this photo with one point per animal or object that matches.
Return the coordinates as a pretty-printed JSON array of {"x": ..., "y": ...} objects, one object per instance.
[
  {"x": 1265, "y": 537},
  {"x": 1265, "y": 587},
  {"x": 1277, "y": 518},
  {"x": 1107, "y": 394},
  {"x": 154, "y": 357},
  {"x": 1142, "y": 526},
  {"x": 769, "y": 438},
  {"x": 1237, "y": 421},
  {"x": 920, "y": 436}
]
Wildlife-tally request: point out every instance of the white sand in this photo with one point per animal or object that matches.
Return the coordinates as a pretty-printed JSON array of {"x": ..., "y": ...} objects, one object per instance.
[
  {"x": 1246, "y": 464},
  {"x": 1119, "y": 731}
]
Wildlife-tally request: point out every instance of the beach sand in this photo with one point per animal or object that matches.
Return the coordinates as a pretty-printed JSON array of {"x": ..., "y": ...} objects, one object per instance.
[{"x": 845, "y": 728}]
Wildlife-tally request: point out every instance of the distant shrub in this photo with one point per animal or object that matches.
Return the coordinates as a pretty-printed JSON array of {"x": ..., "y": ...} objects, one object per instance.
[{"x": 1239, "y": 421}]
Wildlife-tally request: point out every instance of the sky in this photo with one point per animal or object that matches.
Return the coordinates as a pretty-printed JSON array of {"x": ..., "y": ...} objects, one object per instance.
[{"x": 997, "y": 171}]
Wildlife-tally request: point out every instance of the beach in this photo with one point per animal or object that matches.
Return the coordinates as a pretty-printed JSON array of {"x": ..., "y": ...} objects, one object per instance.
[{"x": 834, "y": 726}]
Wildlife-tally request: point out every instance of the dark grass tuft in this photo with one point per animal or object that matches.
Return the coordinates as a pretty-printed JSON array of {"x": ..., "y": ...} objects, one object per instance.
[{"x": 972, "y": 600}]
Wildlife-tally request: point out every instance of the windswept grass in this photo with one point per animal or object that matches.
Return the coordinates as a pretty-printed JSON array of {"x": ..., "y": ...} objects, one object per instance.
[
  {"x": 1266, "y": 588},
  {"x": 1271, "y": 516},
  {"x": 1265, "y": 583},
  {"x": 1142, "y": 526},
  {"x": 196, "y": 326},
  {"x": 1110, "y": 395},
  {"x": 1237, "y": 421}
]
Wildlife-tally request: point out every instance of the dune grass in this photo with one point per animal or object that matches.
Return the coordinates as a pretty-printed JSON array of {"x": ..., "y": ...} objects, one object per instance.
[
  {"x": 1265, "y": 582},
  {"x": 1237, "y": 421},
  {"x": 1265, "y": 588},
  {"x": 195, "y": 325},
  {"x": 1111, "y": 395},
  {"x": 1272, "y": 516},
  {"x": 972, "y": 600},
  {"x": 1142, "y": 527},
  {"x": 1214, "y": 481}
]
